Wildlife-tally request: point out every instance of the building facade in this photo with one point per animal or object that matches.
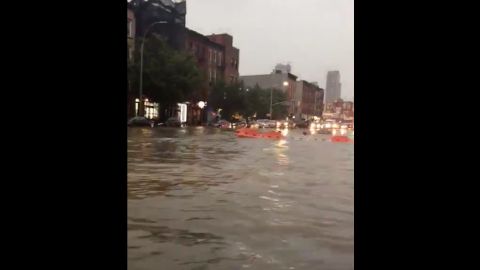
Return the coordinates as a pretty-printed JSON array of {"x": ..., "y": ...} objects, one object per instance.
[
  {"x": 334, "y": 87},
  {"x": 340, "y": 110},
  {"x": 148, "y": 12},
  {"x": 231, "y": 57},
  {"x": 278, "y": 80},
  {"x": 348, "y": 110},
  {"x": 311, "y": 100},
  {"x": 130, "y": 32},
  {"x": 209, "y": 57}
]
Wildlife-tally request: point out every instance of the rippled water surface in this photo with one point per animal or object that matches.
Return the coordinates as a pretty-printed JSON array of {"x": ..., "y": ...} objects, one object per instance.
[{"x": 200, "y": 198}]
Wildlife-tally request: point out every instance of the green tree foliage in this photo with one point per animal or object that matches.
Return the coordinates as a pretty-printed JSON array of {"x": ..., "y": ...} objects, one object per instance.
[
  {"x": 169, "y": 76},
  {"x": 258, "y": 103},
  {"x": 228, "y": 97},
  {"x": 248, "y": 102}
]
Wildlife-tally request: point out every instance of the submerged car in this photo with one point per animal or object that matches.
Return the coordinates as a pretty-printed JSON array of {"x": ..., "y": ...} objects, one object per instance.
[
  {"x": 346, "y": 124},
  {"x": 266, "y": 123},
  {"x": 173, "y": 122},
  {"x": 239, "y": 124},
  {"x": 302, "y": 124},
  {"x": 330, "y": 124},
  {"x": 223, "y": 124},
  {"x": 285, "y": 124},
  {"x": 139, "y": 121}
]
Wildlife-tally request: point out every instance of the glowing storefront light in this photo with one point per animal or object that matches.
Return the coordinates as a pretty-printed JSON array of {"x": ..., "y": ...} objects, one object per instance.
[
  {"x": 151, "y": 109},
  {"x": 136, "y": 106},
  {"x": 183, "y": 112}
]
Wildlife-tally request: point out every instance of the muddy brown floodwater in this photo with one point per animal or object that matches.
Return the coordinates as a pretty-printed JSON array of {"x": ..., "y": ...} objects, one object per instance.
[{"x": 200, "y": 198}]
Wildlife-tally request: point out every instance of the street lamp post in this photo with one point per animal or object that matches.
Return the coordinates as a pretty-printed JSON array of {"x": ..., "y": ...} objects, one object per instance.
[{"x": 140, "y": 107}]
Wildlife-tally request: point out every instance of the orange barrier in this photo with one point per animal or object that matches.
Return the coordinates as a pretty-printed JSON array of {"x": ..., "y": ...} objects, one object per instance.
[
  {"x": 252, "y": 133},
  {"x": 344, "y": 139}
]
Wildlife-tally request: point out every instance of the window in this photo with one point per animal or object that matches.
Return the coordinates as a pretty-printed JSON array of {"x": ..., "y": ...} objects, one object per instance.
[
  {"x": 214, "y": 75},
  {"x": 214, "y": 56},
  {"x": 219, "y": 59},
  {"x": 210, "y": 74}
]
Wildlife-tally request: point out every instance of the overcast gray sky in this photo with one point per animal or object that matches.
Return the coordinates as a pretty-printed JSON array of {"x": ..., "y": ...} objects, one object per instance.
[{"x": 315, "y": 36}]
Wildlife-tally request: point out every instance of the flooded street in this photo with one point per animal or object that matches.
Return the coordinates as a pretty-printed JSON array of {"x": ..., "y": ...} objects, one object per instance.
[{"x": 201, "y": 198}]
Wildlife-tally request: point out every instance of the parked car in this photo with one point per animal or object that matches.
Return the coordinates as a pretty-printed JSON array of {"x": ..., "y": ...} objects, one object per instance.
[{"x": 139, "y": 121}]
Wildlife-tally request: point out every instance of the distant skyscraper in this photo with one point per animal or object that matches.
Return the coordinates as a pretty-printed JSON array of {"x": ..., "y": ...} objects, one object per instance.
[
  {"x": 283, "y": 68},
  {"x": 334, "y": 87}
]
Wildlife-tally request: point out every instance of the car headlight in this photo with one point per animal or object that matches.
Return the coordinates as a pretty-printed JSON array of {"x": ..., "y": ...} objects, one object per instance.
[{"x": 328, "y": 125}]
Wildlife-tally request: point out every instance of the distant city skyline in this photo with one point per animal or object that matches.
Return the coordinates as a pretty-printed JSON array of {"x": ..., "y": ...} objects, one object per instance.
[
  {"x": 313, "y": 36},
  {"x": 333, "y": 90}
]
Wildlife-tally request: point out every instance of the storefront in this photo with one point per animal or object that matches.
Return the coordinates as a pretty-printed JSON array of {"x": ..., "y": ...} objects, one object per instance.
[{"x": 151, "y": 109}]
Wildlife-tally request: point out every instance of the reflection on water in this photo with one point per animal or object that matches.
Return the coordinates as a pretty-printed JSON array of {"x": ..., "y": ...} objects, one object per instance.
[{"x": 200, "y": 198}]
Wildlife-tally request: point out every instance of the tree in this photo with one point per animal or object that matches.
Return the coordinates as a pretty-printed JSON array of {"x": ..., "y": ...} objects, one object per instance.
[
  {"x": 228, "y": 97},
  {"x": 169, "y": 76},
  {"x": 236, "y": 99},
  {"x": 258, "y": 103}
]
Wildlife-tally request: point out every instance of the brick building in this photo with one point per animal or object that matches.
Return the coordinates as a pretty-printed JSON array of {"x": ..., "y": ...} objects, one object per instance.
[
  {"x": 210, "y": 58},
  {"x": 209, "y": 55},
  {"x": 311, "y": 100},
  {"x": 230, "y": 60},
  {"x": 347, "y": 106},
  {"x": 149, "y": 12}
]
